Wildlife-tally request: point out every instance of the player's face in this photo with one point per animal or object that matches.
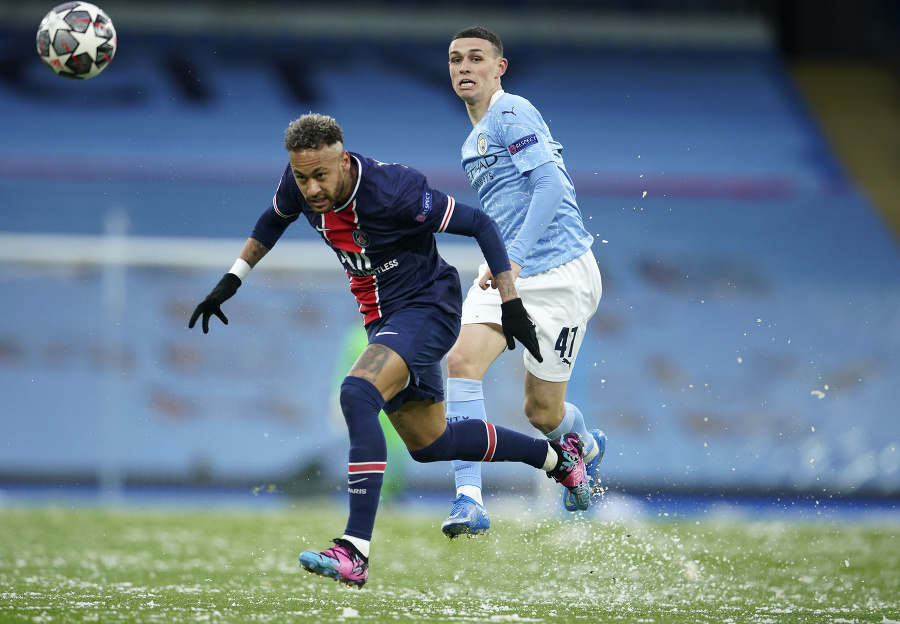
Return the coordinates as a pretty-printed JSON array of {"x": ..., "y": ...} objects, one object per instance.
[
  {"x": 323, "y": 176},
  {"x": 475, "y": 69}
]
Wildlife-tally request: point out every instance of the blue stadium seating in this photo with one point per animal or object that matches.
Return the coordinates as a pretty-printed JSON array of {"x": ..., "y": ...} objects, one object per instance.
[{"x": 747, "y": 336}]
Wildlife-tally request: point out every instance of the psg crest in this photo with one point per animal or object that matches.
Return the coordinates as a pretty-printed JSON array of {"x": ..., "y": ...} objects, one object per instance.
[{"x": 360, "y": 238}]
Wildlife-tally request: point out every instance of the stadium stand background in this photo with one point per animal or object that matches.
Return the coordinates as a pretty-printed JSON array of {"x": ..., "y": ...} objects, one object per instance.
[{"x": 736, "y": 162}]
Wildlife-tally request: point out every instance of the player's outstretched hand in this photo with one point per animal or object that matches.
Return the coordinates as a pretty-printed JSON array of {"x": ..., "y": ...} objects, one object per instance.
[
  {"x": 517, "y": 326},
  {"x": 223, "y": 291}
]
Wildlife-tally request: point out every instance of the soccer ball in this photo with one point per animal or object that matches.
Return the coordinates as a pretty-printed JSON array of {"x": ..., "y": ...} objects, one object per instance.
[{"x": 76, "y": 40}]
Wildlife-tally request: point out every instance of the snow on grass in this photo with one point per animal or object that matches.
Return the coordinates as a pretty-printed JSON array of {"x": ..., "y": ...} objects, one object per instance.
[{"x": 198, "y": 566}]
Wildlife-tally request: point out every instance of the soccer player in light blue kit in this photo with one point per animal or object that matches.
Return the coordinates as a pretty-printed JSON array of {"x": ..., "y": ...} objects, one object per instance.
[{"x": 517, "y": 169}]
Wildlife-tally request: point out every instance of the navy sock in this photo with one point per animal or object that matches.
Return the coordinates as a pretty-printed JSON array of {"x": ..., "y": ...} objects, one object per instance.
[
  {"x": 480, "y": 441},
  {"x": 361, "y": 402}
]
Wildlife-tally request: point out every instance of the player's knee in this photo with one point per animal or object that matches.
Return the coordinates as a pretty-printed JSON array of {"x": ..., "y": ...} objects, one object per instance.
[
  {"x": 437, "y": 450},
  {"x": 427, "y": 455},
  {"x": 542, "y": 415},
  {"x": 421, "y": 457},
  {"x": 470, "y": 358},
  {"x": 359, "y": 396},
  {"x": 415, "y": 444},
  {"x": 457, "y": 363}
]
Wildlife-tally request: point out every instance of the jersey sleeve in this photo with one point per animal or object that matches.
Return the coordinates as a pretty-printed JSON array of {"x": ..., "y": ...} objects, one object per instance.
[
  {"x": 419, "y": 207},
  {"x": 284, "y": 210},
  {"x": 525, "y": 137},
  {"x": 547, "y": 197},
  {"x": 430, "y": 210},
  {"x": 468, "y": 221}
]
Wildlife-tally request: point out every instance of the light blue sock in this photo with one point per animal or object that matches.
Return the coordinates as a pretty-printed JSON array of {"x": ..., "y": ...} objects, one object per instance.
[
  {"x": 573, "y": 420},
  {"x": 465, "y": 401}
]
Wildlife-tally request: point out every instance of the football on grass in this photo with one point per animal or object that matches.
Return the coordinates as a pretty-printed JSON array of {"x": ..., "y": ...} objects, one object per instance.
[{"x": 76, "y": 40}]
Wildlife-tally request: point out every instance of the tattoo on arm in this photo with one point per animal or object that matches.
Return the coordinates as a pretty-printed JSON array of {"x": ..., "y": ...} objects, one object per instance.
[
  {"x": 505, "y": 286},
  {"x": 253, "y": 251}
]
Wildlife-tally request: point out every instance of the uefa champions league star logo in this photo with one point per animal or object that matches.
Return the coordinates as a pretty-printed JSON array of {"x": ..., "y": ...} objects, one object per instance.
[{"x": 482, "y": 144}]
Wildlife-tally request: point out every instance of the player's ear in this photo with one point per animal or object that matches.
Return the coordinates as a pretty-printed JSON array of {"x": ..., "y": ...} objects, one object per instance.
[{"x": 502, "y": 67}]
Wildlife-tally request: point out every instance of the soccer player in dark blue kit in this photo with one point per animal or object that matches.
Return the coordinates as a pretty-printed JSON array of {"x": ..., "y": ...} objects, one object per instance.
[{"x": 380, "y": 220}]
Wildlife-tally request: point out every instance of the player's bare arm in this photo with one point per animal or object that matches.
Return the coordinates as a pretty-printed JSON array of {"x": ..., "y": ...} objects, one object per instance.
[
  {"x": 487, "y": 278},
  {"x": 253, "y": 252},
  {"x": 504, "y": 283}
]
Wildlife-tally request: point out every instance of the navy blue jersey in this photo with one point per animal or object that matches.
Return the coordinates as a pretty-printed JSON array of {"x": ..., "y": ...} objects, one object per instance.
[{"x": 384, "y": 236}]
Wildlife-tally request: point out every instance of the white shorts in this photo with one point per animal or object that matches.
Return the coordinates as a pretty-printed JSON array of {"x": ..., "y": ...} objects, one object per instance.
[{"x": 560, "y": 301}]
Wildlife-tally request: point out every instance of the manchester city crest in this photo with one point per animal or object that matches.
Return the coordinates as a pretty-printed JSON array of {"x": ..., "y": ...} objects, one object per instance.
[{"x": 482, "y": 144}]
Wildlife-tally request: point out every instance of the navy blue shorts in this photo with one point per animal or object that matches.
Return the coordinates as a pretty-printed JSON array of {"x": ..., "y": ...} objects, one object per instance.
[{"x": 421, "y": 335}]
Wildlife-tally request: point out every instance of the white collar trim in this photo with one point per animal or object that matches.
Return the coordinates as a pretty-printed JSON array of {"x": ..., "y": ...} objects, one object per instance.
[{"x": 355, "y": 188}]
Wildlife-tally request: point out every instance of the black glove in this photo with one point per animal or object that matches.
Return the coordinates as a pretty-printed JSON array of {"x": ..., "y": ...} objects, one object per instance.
[
  {"x": 516, "y": 324},
  {"x": 223, "y": 291}
]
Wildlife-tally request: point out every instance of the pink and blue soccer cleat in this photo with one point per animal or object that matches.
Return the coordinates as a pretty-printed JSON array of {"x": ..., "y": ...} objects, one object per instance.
[
  {"x": 466, "y": 518},
  {"x": 569, "y": 470},
  {"x": 342, "y": 562},
  {"x": 591, "y": 469}
]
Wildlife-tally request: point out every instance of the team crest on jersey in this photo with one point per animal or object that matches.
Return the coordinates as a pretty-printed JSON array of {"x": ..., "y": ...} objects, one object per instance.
[
  {"x": 361, "y": 238},
  {"x": 426, "y": 207},
  {"x": 522, "y": 143},
  {"x": 482, "y": 144}
]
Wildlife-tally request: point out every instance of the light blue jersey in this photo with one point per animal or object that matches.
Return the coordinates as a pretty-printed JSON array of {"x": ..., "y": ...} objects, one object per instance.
[{"x": 511, "y": 140}]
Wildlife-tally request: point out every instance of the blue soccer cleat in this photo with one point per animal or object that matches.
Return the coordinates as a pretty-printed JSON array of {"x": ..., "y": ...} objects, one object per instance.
[
  {"x": 467, "y": 518},
  {"x": 591, "y": 469}
]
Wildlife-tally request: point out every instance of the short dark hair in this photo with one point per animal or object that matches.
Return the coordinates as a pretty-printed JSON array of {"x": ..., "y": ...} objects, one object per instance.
[
  {"x": 312, "y": 131},
  {"x": 478, "y": 32}
]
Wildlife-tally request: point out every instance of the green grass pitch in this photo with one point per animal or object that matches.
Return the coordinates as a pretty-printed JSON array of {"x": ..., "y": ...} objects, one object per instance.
[{"x": 88, "y": 564}]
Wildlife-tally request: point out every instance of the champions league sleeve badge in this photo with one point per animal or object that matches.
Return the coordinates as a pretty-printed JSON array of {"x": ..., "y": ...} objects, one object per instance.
[{"x": 522, "y": 143}]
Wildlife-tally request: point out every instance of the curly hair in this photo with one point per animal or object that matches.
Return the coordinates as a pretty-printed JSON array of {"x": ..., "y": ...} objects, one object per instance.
[
  {"x": 478, "y": 32},
  {"x": 312, "y": 131}
]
